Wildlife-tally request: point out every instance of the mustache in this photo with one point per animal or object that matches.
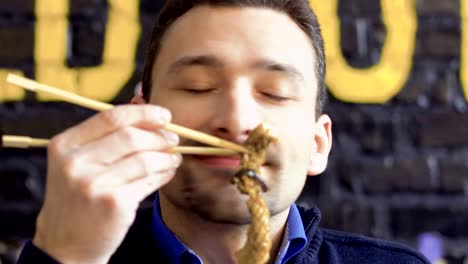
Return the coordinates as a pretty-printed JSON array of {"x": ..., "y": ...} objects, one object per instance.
[{"x": 272, "y": 155}]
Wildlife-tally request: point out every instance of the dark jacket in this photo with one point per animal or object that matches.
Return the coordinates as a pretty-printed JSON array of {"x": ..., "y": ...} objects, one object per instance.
[{"x": 324, "y": 246}]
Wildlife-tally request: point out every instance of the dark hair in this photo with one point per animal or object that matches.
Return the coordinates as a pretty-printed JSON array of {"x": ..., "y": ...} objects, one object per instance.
[{"x": 298, "y": 10}]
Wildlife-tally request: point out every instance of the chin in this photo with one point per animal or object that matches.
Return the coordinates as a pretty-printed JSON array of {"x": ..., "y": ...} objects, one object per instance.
[
  {"x": 223, "y": 205},
  {"x": 227, "y": 216}
]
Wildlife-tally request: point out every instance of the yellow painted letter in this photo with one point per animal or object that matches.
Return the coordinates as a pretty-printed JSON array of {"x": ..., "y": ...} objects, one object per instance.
[
  {"x": 10, "y": 92},
  {"x": 102, "y": 82},
  {"x": 464, "y": 48},
  {"x": 381, "y": 82}
]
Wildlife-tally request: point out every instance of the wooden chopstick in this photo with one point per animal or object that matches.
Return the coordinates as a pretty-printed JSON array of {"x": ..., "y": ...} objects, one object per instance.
[
  {"x": 10, "y": 141},
  {"x": 203, "y": 151},
  {"x": 100, "y": 106}
]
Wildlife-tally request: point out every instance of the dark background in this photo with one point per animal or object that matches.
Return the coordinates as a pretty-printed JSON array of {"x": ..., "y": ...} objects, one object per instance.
[{"x": 397, "y": 170}]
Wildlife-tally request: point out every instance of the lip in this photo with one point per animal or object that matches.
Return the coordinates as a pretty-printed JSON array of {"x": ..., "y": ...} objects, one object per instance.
[
  {"x": 225, "y": 163},
  {"x": 222, "y": 162}
]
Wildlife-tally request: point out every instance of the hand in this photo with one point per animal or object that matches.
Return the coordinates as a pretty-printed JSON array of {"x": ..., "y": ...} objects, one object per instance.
[{"x": 98, "y": 173}]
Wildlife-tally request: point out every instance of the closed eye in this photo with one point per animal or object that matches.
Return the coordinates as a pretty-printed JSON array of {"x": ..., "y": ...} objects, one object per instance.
[
  {"x": 197, "y": 91},
  {"x": 276, "y": 98}
]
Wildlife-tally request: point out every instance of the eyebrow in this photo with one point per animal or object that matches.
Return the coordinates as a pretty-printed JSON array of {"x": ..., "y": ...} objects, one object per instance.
[
  {"x": 187, "y": 61},
  {"x": 213, "y": 62},
  {"x": 271, "y": 65}
]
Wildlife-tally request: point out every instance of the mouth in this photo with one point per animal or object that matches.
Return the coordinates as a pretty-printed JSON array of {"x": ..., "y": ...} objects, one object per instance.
[
  {"x": 229, "y": 165},
  {"x": 222, "y": 162}
]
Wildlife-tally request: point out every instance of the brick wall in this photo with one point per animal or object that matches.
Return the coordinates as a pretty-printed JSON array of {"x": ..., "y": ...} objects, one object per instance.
[{"x": 397, "y": 169}]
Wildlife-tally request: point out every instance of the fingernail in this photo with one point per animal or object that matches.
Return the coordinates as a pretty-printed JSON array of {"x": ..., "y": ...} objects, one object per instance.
[
  {"x": 165, "y": 115},
  {"x": 176, "y": 158},
  {"x": 171, "y": 138}
]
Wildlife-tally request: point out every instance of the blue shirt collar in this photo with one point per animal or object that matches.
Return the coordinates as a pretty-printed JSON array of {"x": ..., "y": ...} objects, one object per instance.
[
  {"x": 294, "y": 239},
  {"x": 167, "y": 241}
]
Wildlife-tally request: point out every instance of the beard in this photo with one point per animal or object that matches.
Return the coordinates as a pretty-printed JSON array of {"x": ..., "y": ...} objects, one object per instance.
[
  {"x": 211, "y": 197},
  {"x": 209, "y": 193}
]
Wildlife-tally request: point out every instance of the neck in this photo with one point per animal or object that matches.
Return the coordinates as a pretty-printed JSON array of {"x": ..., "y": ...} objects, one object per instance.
[{"x": 215, "y": 242}]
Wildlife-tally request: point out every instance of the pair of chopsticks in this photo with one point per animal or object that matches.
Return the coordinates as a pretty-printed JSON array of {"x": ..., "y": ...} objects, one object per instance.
[{"x": 224, "y": 147}]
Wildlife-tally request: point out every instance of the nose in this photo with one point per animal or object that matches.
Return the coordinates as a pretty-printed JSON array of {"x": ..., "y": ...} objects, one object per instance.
[{"x": 237, "y": 112}]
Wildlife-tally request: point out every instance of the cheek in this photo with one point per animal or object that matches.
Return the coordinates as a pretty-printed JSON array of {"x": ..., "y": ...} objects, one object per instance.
[
  {"x": 188, "y": 113},
  {"x": 187, "y": 117},
  {"x": 297, "y": 142},
  {"x": 297, "y": 129}
]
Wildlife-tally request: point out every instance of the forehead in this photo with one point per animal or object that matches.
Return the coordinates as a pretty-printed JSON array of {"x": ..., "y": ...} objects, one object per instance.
[{"x": 237, "y": 36}]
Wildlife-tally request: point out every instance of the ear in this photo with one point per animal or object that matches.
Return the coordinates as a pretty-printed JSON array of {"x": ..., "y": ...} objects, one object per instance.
[
  {"x": 138, "y": 99},
  {"x": 322, "y": 146}
]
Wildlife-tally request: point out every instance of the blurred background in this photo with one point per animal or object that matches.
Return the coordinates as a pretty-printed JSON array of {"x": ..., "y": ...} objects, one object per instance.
[{"x": 398, "y": 84}]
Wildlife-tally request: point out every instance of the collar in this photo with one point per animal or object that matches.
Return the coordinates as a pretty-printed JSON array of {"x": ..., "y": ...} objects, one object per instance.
[
  {"x": 170, "y": 245},
  {"x": 294, "y": 238}
]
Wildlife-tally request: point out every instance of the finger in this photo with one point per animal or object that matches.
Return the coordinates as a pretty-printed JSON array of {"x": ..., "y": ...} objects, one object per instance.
[
  {"x": 141, "y": 188},
  {"x": 136, "y": 166},
  {"x": 124, "y": 142},
  {"x": 147, "y": 116}
]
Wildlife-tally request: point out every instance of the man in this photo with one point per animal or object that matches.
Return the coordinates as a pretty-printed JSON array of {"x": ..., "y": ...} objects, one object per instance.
[{"x": 221, "y": 67}]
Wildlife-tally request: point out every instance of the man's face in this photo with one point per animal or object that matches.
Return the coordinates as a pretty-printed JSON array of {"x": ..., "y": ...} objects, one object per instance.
[{"x": 223, "y": 71}]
